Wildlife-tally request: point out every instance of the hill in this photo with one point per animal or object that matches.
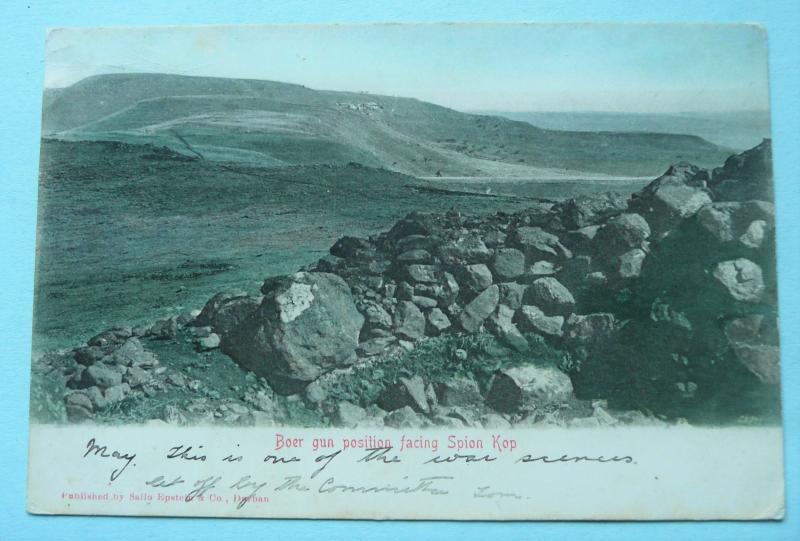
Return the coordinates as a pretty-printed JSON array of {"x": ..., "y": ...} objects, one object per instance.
[
  {"x": 739, "y": 130},
  {"x": 278, "y": 124}
]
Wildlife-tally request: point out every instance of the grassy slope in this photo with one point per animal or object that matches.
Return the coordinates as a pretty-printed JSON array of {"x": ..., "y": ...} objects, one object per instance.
[
  {"x": 131, "y": 232},
  {"x": 270, "y": 123}
]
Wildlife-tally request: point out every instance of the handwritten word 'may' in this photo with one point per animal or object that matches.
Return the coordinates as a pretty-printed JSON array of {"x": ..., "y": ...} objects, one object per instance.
[{"x": 94, "y": 449}]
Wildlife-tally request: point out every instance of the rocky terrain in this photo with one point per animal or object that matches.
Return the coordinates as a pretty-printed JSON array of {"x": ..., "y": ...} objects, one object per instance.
[{"x": 592, "y": 311}]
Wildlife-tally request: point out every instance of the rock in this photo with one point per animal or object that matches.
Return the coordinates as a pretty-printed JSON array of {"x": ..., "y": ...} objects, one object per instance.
[
  {"x": 111, "y": 337},
  {"x": 494, "y": 239},
  {"x": 620, "y": 234},
  {"x": 330, "y": 263},
  {"x": 596, "y": 279},
  {"x": 467, "y": 249},
  {"x": 350, "y": 248},
  {"x": 448, "y": 294},
  {"x": 136, "y": 376},
  {"x": 187, "y": 317},
  {"x": 551, "y": 296},
  {"x": 531, "y": 319},
  {"x": 508, "y": 263},
  {"x": 493, "y": 421},
  {"x": 728, "y": 222},
  {"x": 501, "y": 325},
  {"x": 102, "y": 375},
  {"x": 537, "y": 244},
  {"x": 587, "y": 210},
  {"x": 414, "y": 256},
  {"x": 164, "y": 329},
  {"x": 467, "y": 415},
  {"x": 459, "y": 391},
  {"x": 511, "y": 294},
  {"x": 78, "y": 407},
  {"x": 421, "y": 273},
  {"x": 741, "y": 278},
  {"x": 676, "y": 195},
  {"x": 580, "y": 240},
  {"x": 140, "y": 331},
  {"x": 225, "y": 311},
  {"x": 541, "y": 268},
  {"x": 446, "y": 421},
  {"x": 131, "y": 353},
  {"x": 116, "y": 393},
  {"x": 375, "y": 315},
  {"x": 744, "y": 329},
  {"x": 405, "y": 291},
  {"x": 403, "y": 418},
  {"x": 438, "y": 322},
  {"x": 753, "y": 237},
  {"x": 306, "y": 325},
  {"x": 375, "y": 346},
  {"x": 590, "y": 328},
  {"x": 761, "y": 360},
  {"x": 178, "y": 379},
  {"x": 476, "y": 277},
  {"x": 348, "y": 415},
  {"x": 474, "y": 314},
  {"x": 630, "y": 263},
  {"x": 406, "y": 392},
  {"x": 207, "y": 343},
  {"x": 425, "y": 303},
  {"x": 99, "y": 401},
  {"x": 744, "y": 176},
  {"x": 88, "y": 355},
  {"x": 417, "y": 242},
  {"x": 524, "y": 388},
  {"x": 409, "y": 322},
  {"x": 414, "y": 223}
]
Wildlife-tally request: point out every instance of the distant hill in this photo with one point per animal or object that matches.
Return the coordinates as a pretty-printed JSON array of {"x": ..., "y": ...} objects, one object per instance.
[
  {"x": 738, "y": 130},
  {"x": 278, "y": 124}
]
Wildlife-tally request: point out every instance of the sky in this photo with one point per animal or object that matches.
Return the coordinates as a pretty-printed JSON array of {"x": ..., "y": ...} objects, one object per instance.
[{"x": 469, "y": 67}]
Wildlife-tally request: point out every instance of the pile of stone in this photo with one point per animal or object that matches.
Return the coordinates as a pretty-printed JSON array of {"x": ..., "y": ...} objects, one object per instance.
[{"x": 689, "y": 248}]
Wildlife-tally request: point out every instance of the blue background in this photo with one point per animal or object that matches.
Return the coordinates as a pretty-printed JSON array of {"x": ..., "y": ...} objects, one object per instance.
[{"x": 21, "y": 56}]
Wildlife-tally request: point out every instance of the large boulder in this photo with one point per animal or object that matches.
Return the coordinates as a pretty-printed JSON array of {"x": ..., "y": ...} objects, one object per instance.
[
  {"x": 306, "y": 325},
  {"x": 225, "y": 311},
  {"x": 676, "y": 195},
  {"x": 524, "y": 388},
  {"x": 741, "y": 278},
  {"x": 745, "y": 176}
]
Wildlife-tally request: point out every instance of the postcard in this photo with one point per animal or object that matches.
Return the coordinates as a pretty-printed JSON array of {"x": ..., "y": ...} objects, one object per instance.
[{"x": 439, "y": 271}]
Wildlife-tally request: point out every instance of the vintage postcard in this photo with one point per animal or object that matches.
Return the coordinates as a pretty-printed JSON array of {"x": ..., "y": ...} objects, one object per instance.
[{"x": 443, "y": 271}]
